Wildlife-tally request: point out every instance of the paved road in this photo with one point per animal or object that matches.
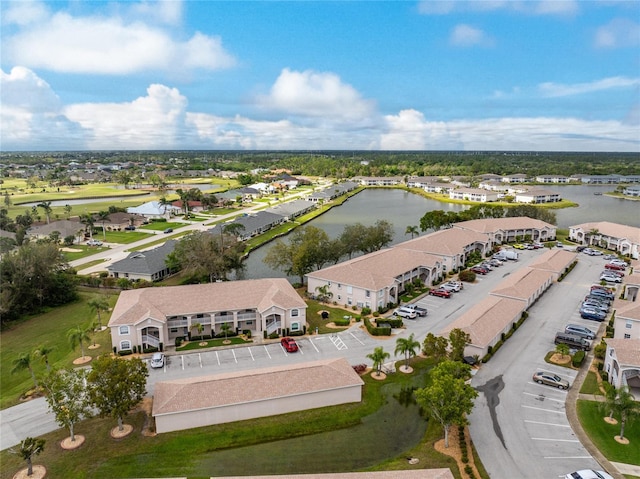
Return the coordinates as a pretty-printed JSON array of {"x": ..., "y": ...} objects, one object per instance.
[{"x": 520, "y": 428}]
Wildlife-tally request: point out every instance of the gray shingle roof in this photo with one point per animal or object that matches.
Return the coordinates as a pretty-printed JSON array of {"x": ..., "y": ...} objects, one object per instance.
[{"x": 144, "y": 262}]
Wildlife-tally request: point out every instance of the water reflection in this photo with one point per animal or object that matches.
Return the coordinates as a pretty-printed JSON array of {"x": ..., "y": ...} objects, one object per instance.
[{"x": 390, "y": 431}]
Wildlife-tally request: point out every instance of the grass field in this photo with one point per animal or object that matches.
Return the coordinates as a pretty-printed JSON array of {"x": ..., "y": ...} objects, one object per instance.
[
  {"x": 162, "y": 225},
  {"x": 602, "y": 434},
  {"x": 48, "y": 329}
]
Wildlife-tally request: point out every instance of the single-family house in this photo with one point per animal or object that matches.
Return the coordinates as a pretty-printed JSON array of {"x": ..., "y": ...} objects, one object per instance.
[
  {"x": 63, "y": 227},
  {"x": 292, "y": 209},
  {"x": 149, "y": 265},
  {"x": 154, "y": 209},
  {"x": 149, "y": 317},
  {"x": 206, "y": 400}
]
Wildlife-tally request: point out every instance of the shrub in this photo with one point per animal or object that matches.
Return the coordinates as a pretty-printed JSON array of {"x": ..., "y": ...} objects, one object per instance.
[
  {"x": 161, "y": 346},
  {"x": 359, "y": 368},
  {"x": 467, "y": 276},
  {"x": 376, "y": 314},
  {"x": 179, "y": 341},
  {"x": 342, "y": 322},
  {"x": 365, "y": 311},
  {"x": 577, "y": 359},
  {"x": 125, "y": 352},
  {"x": 604, "y": 375},
  {"x": 115, "y": 350},
  {"x": 247, "y": 333},
  {"x": 600, "y": 350}
]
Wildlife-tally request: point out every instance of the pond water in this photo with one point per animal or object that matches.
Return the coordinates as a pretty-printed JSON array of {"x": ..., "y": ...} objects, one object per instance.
[
  {"x": 393, "y": 429},
  {"x": 402, "y": 209}
]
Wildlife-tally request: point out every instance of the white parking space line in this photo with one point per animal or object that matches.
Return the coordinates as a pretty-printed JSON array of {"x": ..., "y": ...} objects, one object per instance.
[
  {"x": 314, "y": 346},
  {"x": 554, "y": 439},
  {"x": 267, "y": 351},
  {"x": 547, "y": 423},
  {"x": 542, "y": 409},
  {"x": 218, "y": 358},
  {"x": 354, "y": 337},
  {"x": 544, "y": 398},
  {"x": 251, "y": 353},
  {"x": 200, "y": 360},
  {"x": 234, "y": 356},
  {"x": 182, "y": 361}
]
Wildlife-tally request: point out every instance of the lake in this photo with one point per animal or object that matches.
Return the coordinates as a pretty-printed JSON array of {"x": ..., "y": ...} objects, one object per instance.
[{"x": 402, "y": 209}]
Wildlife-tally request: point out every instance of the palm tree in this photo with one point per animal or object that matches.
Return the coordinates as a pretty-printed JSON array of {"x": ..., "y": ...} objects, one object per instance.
[
  {"x": 88, "y": 220},
  {"x": 98, "y": 304},
  {"x": 199, "y": 327},
  {"x": 103, "y": 216},
  {"x": 78, "y": 336},
  {"x": 407, "y": 346},
  {"x": 67, "y": 210},
  {"x": 324, "y": 295},
  {"x": 46, "y": 207},
  {"x": 43, "y": 352},
  {"x": 225, "y": 327},
  {"x": 627, "y": 407},
  {"x": 378, "y": 356},
  {"x": 23, "y": 362},
  {"x": 412, "y": 230}
]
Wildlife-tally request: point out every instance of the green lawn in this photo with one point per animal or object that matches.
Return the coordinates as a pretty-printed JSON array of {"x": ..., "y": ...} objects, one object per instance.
[
  {"x": 48, "y": 329},
  {"x": 602, "y": 434},
  {"x": 82, "y": 251},
  {"x": 162, "y": 225},
  {"x": 124, "y": 237},
  {"x": 590, "y": 384},
  {"x": 211, "y": 343},
  {"x": 179, "y": 453}
]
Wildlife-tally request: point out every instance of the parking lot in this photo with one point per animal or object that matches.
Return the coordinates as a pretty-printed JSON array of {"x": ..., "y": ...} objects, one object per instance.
[
  {"x": 354, "y": 344},
  {"x": 517, "y": 424}
]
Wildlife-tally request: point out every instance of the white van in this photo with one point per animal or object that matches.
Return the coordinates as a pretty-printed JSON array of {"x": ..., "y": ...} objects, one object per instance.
[{"x": 405, "y": 313}]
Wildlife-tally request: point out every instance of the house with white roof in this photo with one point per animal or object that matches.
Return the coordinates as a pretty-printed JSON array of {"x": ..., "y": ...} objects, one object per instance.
[
  {"x": 149, "y": 317},
  {"x": 154, "y": 209},
  {"x": 473, "y": 194},
  {"x": 623, "y": 239}
]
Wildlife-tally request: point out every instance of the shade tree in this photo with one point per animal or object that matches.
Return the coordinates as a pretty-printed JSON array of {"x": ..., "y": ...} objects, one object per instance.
[{"x": 68, "y": 397}]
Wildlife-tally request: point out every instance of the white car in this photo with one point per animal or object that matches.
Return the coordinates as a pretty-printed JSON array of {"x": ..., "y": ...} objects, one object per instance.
[
  {"x": 619, "y": 262},
  {"x": 610, "y": 278},
  {"x": 93, "y": 242},
  {"x": 157, "y": 360},
  {"x": 455, "y": 286},
  {"x": 588, "y": 474}
]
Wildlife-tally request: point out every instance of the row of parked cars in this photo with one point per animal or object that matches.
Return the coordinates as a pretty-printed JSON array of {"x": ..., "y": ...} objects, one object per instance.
[
  {"x": 413, "y": 311},
  {"x": 597, "y": 303},
  {"x": 614, "y": 271}
]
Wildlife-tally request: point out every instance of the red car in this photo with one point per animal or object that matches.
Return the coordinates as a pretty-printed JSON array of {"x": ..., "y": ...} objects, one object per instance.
[
  {"x": 615, "y": 267},
  {"x": 289, "y": 344},
  {"x": 479, "y": 270},
  {"x": 443, "y": 293}
]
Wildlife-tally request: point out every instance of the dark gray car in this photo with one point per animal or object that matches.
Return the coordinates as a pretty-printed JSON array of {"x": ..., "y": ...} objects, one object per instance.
[{"x": 581, "y": 331}]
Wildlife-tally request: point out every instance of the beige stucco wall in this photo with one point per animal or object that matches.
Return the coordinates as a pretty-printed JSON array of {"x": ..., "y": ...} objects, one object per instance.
[{"x": 269, "y": 407}]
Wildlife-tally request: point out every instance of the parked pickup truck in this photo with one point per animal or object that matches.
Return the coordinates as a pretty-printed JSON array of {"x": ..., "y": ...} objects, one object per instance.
[{"x": 417, "y": 309}]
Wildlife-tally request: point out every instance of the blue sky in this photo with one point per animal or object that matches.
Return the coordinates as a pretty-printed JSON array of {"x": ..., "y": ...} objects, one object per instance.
[{"x": 551, "y": 75}]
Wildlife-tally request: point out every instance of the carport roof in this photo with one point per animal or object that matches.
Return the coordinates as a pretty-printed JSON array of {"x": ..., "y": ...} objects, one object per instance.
[
  {"x": 523, "y": 283},
  {"x": 555, "y": 260},
  {"x": 206, "y": 392},
  {"x": 487, "y": 319}
]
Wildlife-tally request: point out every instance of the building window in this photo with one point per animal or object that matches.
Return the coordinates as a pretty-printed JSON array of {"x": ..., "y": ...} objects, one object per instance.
[
  {"x": 339, "y": 297},
  {"x": 627, "y": 336},
  {"x": 294, "y": 312},
  {"x": 611, "y": 352},
  {"x": 349, "y": 301},
  {"x": 248, "y": 322},
  {"x": 628, "y": 325},
  {"x": 339, "y": 286},
  {"x": 125, "y": 345},
  {"x": 367, "y": 294},
  {"x": 124, "y": 330},
  {"x": 295, "y": 326},
  {"x": 173, "y": 330}
]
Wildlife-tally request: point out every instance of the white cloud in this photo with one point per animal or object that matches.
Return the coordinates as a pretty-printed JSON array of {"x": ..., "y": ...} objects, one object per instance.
[
  {"x": 33, "y": 118},
  {"x": 466, "y": 36},
  {"x": 618, "y": 33},
  {"x": 23, "y": 13},
  {"x": 109, "y": 45},
  {"x": 550, "y": 89},
  {"x": 540, "y": 7},
  {"x": 316, "y": 94},
  {"x": 154, "y": 121},
  {"x": 30, "y": 117},
  {"x": 164, "y": 11}
]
